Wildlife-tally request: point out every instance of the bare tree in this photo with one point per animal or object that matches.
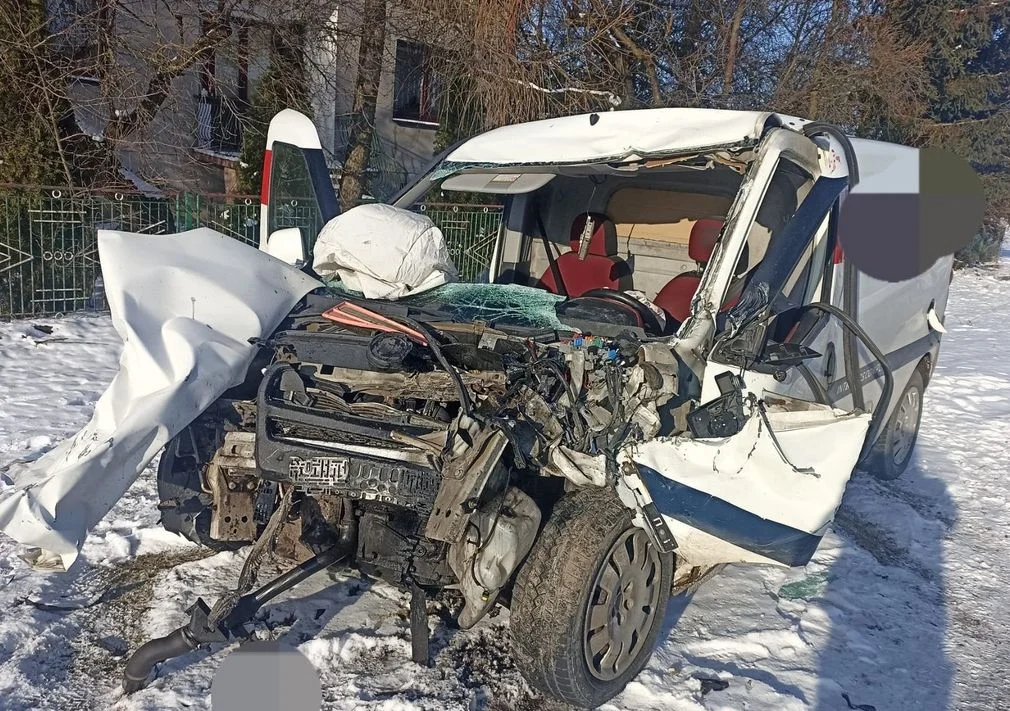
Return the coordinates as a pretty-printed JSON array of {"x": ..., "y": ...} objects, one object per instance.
[
  {"x": 366, "y": 92},
  {"x": 868, "y": 65},
  {"x": 40, "y": 142},
  {"x": 118, "y": 80}
]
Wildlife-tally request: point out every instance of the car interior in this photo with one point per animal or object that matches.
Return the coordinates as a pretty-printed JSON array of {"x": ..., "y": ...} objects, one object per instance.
[{"x": 595, "y": 233}]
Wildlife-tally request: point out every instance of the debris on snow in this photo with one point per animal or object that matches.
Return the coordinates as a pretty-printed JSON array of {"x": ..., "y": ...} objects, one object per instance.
[{"x": 862, "y": 625}]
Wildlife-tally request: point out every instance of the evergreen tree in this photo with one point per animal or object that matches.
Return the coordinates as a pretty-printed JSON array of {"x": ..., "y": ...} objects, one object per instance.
[
  {"x": 279, "y": 88},
  {"x": 968, "y": 62},
  {"x": 41, "y": 144}
]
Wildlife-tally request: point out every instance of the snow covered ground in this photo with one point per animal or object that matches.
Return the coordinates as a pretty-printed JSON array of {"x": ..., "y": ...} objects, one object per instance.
[{"x": 905, "y": 606}]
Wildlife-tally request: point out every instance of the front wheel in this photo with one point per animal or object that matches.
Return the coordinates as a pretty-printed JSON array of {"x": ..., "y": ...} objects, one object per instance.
[
  {"x": 589, "y": 600},
  {"x": 893, "y": 451}
]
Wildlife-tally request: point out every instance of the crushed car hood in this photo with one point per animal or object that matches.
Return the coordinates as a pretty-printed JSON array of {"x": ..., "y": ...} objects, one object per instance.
[{"x": 186, "y": 306}]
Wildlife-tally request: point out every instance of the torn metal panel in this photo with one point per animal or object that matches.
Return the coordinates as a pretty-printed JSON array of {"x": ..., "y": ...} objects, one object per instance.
[
  {"x": 186, "y": 306},
  {"x": 578, "y": 467},
  {"x": 634, "y": 494},
  {"x": 463, "y": 480},
  {"x": 231, "y": 478},
  {"x": 767, "y": 491},
  {"x": 616, "y": 135}
]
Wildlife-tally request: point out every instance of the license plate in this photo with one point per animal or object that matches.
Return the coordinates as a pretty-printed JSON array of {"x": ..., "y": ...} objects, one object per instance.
[{"x": 318, "y": 471}]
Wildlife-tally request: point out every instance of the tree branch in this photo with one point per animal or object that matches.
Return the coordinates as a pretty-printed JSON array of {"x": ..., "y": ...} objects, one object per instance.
[
  {"x": 731, "y": 47},
  {"x": 159, "y": 87}
]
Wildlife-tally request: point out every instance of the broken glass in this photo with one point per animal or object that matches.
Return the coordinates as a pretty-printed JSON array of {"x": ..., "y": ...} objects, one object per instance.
[{"x": 495, "y": 304}]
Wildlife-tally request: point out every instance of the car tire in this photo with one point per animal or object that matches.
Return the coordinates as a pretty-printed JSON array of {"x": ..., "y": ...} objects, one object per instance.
[
  {"x": 896, "y": 444},
  {"x": 591, "y": 577}
]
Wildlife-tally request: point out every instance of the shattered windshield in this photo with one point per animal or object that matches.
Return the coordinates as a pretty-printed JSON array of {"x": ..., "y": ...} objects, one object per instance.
[{"x": 495, "y": 304}]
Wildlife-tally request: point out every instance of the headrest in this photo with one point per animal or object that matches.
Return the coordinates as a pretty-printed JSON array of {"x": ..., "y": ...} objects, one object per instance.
[
  {"x": 704, "y": 236},
  {"x": 604, "y": 240}
]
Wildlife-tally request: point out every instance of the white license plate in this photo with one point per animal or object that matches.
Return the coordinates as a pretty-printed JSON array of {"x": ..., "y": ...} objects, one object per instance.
[{"x": 318, "y": 471}]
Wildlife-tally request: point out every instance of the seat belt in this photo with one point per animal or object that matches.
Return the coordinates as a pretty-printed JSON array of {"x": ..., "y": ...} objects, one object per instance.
[{"x": 558, "y": 281}]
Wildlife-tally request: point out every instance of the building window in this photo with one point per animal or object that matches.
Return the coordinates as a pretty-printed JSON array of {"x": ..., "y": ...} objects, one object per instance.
[{"x": 415, "y": 92}]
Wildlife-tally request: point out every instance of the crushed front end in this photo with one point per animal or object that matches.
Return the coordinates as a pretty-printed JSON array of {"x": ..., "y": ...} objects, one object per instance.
[{"x": 438, "y": 443}]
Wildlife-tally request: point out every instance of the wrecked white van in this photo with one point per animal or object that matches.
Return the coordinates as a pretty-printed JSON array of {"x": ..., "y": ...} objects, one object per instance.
[{"x": 672, "y": 366}]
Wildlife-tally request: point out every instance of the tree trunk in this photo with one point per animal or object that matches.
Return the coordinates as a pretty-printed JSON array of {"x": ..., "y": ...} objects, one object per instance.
[
  {"x": 839, "y": 15},
  {"x": 366, "y": 92},
  {"x": 159, "y": 86}
]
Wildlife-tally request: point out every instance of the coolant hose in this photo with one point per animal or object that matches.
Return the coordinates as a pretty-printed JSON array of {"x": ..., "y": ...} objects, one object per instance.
[{"x": 157, "y": 650}]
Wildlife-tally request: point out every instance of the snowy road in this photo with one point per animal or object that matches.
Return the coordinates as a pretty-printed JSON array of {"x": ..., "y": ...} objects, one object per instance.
[{"x": 904, "y": 607}]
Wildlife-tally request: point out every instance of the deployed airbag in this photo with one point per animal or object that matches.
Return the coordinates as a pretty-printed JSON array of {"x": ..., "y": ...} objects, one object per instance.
[
  {"x": 384, "y": 252},
  {"x": 185, "y": 306}
]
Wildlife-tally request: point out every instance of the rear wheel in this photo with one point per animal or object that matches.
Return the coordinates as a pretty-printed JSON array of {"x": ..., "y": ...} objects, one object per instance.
[
  {"x": 893, "y": 451},
  {"x": 589, "y": 601}
]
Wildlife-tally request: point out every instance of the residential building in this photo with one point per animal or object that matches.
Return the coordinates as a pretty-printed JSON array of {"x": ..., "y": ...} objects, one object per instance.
[{"x": 195, "y": 138}]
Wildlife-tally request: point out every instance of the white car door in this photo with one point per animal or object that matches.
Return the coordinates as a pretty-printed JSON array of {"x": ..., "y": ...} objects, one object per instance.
[
  {"x": 297, "y": 196},
  {"x": 760, "y": 473}
]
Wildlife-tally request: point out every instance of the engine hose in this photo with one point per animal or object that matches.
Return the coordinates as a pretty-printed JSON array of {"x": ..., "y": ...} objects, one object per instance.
[
  {"x": 466, "y": 405},
  {"x": 203, "y": 629},
  {"x": 157, "y": 650}
]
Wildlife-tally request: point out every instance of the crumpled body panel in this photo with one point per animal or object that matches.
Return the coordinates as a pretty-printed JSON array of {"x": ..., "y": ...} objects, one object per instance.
[
  {"x": 186, "y": 306},
  {"x": 754, "y": 497}
]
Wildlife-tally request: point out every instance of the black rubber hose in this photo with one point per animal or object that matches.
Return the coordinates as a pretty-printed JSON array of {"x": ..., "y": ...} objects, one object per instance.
[
  {"x": 431, "y": 336},
  {"x": 157, "y": 650}
]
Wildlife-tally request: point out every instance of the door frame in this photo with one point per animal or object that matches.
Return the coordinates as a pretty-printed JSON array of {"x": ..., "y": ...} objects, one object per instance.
[{"x": 295, "y": 129}]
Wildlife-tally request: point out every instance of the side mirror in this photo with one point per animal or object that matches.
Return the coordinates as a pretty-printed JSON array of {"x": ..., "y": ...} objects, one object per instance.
[
  {"x": 786, "y": 354},
  {"x": 742, "y": 347},
  {"x": 286, "y": 245}
]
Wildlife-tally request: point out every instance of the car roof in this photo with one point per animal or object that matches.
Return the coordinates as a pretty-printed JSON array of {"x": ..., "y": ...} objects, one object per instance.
[
  {"x": 886, "y": 167},
  {"x": 617, "y": 136}
]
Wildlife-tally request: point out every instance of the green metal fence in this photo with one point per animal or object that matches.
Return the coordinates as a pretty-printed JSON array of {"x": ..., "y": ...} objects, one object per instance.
[
  {"x": 470, "y": 233},
  {"x": 49, "y": 253}
]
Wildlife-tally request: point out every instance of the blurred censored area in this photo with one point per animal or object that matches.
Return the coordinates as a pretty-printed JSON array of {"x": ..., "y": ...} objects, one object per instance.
[
  {"x": 266, "y": 676},
  {"x": 897, "y": 230}
]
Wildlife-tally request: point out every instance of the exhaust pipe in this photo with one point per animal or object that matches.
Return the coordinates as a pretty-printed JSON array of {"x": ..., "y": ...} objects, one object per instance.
[
  {"x": 154, "y": 652},
  {"x": 201, "y": 630}
]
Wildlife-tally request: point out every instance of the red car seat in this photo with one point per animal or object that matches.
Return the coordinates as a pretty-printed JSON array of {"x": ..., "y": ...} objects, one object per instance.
[
  {"x": 601, "y": 269},
  {"x": 675, "y": 297}
]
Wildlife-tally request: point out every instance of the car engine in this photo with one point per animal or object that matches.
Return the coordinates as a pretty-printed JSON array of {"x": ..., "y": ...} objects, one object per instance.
[{"x": 439, "y": 445}]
